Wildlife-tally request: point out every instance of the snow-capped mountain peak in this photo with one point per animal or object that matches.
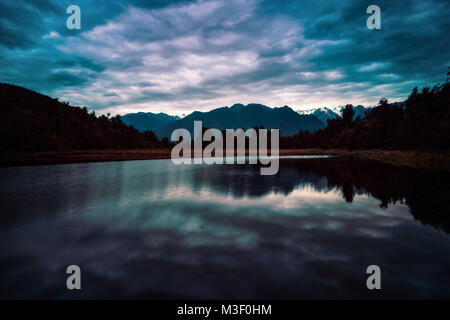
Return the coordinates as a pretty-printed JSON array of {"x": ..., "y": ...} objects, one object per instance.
[{"x": 324, "y": 113}]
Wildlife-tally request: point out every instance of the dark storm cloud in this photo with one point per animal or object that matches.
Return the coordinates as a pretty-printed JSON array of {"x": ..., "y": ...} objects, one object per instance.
[
  {"x": 411, "y": 43},
  {"x": 20, "y": 22},
  {"x": 65, "y": 79},
  {"x": 182, "y": 55},
  {"x": 80, "y": 62}
]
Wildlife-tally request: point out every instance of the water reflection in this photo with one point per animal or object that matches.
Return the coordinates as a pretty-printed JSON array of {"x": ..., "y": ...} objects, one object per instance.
[{"x": 148, "y": 229}]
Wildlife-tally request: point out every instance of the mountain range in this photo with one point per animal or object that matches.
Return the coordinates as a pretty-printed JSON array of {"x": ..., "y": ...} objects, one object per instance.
[
  {"x": 289, "y": 122},
  {"x": 33, "y": 122},
  {"x": 149, "y": 121},
  {"x": 237, "y": 116}
]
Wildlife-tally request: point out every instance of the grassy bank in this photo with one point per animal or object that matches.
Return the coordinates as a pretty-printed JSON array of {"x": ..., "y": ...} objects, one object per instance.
[{"x": 404, "y": 158}]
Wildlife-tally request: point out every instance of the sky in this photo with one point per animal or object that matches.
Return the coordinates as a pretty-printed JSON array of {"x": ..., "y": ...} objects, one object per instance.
[{"x": 180, "y": 56}]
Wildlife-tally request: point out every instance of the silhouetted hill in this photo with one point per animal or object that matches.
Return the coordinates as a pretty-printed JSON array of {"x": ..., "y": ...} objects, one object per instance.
[
  {"x": 34, "y": 122},
  {"x": 144, "y": 121},
  {"x": 253, "y": 115}
]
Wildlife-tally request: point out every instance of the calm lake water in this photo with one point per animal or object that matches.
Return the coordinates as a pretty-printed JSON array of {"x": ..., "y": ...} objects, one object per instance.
[{"x": 150, "y": 229}]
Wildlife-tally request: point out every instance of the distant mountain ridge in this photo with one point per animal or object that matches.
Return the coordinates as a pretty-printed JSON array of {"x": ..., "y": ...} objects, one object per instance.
[
  {"x": 144, "y": 121},
  {"x": 239, "y": 116}
]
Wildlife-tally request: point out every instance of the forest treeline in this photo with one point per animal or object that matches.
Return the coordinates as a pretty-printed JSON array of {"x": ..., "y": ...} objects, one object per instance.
[
  {"x": 34, "y": 122},
  {"x": 421, "y": 123}
]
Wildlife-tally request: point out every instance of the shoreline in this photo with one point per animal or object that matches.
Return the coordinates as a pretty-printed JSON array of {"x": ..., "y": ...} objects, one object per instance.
[{"x": 415, "y": 159}]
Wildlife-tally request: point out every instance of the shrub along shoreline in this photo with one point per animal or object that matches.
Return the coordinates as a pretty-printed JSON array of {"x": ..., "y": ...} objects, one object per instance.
[{"x": 416, "y": 159}]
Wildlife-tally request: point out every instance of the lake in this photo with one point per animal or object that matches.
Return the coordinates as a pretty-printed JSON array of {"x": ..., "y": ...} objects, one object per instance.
[{"x": 150, "y": 229}]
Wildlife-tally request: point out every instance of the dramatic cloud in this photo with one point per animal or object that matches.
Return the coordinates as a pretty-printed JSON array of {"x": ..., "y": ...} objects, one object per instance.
[{"x": 196, "y": 55}]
